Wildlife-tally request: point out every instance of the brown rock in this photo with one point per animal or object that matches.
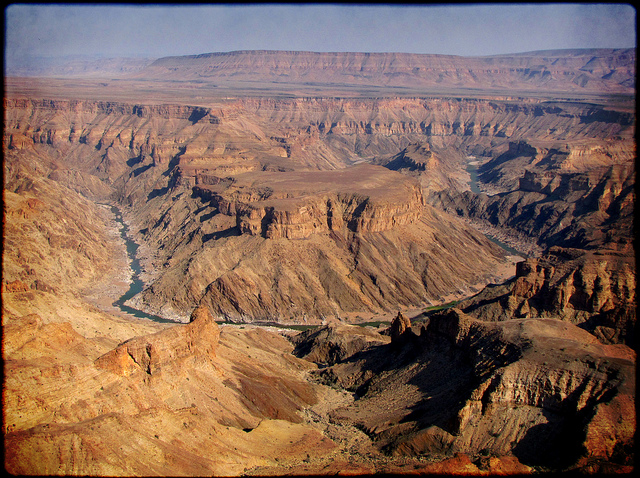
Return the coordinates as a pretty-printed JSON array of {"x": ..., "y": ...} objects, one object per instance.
[
  {"x": 199, "y": 339},
  {"x": 460, "y": 464},
  {"x": 504, "y": 465},
  {"x": 399, "y": 326},
  {"x": 547, "y": 70},
  {"x": 334, "y": 343},
  {"x": 296, "y": 204},
  {"x": 15, "y": 286},
  {"x": 527, "y": 388},
  {"x": 594, "y": 288}
]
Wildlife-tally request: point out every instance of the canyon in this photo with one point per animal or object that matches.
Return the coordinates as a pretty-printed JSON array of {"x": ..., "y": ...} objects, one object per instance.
[{"x": 329, "y": 192}]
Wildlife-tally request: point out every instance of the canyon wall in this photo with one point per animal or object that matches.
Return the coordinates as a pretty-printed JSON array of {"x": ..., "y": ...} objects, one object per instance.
[
  {"x": 197, "y": 179},
  {"x": 541, "y": 390}
]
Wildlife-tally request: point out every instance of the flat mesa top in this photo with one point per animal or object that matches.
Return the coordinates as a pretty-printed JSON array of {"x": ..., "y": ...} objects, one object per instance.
[
  {"x": 201, "y": 80},
  {"x": 376, "y": 182}
]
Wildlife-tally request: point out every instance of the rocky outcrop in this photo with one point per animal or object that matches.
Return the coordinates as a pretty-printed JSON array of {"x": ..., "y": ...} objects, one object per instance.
[
  {"x": 335, "y": 343},
  {"x": 399, "y": 326},
  {"x": 502, "y": 387},
  {"x": 148, "y": 354},
  {"x": 568, "y": 395},
  {"x": 295, "y": 205},
  {"x": 329, "y": 274},
  {"x": 590, "y": 209},
  {"x": 539, "y": 161},
  {"x": 54, "y": 238},
  {"x": 14, "y": 286},
  {"x": 70, "y": 409},
  {"x": 595, "y": 290}
]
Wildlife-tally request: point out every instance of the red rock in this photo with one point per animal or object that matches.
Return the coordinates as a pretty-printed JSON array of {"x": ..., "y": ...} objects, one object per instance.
[{"x": 15, "y": 286}]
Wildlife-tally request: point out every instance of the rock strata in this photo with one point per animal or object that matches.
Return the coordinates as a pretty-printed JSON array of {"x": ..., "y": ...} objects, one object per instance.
[
  {"x": 561, "y": 70},
  {"x": 502, "y": 387},
  {"x": 322, "y": 205},
  {"x": 554, "y": 204},
  {"x": 294, "y": 205},
  {"x": 199, "y": 338},
  {"x": 191, "y": 399},
  {"x": 595, "y": 290}
]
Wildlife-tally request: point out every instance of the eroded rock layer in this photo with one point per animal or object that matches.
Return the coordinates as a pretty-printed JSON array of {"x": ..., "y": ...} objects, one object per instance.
[
  {"x": 462, "y": 385},
  {"x": 593, "y": 289},
  {"x": 195, "y": 175}
]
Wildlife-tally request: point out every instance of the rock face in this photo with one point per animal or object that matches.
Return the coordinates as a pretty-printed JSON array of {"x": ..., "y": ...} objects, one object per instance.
[
  {"x": 501, "y": 388},
  {"x": 295, "y": 205},
  {"x": 199, "y": 338},
  {"x": 331, "y": 273},
  {"x": 195, "y": 181},
  {"x": 553, "y": 203},
  {"x": 595, "y": 290},
  {"x": 73, "y": 407},
  {"x": 54, "y": 238},
  {"x": 578, "y": 202},
  {"x": 399, "y": 326},
  {"x": 335, "y": 343}
]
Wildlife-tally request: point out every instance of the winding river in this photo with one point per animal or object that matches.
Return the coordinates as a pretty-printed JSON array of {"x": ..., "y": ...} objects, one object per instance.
[{"x": 136, "y": 285}]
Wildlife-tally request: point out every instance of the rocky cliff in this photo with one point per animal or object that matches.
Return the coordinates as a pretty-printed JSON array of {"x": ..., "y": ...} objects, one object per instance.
[
  {"x": 240, "y": 169},
  {"x": 195, "y": 175},
  {"x": 244, "y": 276},
  {"x": 55, "y": 239},
  {"x": 594, "y": 289},
  {"x": 150, "y": 353},
  {"x": 188, "y": 398},
  {"x": 578, "y": 200},
  {"x": 467, "y": 386},
  {"x": 295, "y": 205},
  {"x": 110, "y": 138},
  {"x": 587, "y": 210}
]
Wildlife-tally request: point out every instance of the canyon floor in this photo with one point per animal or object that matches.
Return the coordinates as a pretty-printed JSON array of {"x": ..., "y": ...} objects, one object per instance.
[{"x": 326, "y": 265}]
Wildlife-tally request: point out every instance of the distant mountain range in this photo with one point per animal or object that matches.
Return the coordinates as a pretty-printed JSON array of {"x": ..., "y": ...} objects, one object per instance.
[{"x": 589, "y": 70}]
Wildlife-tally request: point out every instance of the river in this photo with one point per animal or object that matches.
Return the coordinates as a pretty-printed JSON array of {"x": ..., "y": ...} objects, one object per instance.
[
  {"x": 472, "y": 169},
  {"x": 136, "y": 285}
]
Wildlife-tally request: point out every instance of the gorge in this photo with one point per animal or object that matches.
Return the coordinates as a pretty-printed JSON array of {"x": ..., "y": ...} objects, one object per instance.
[
  {"x": 136, "y": 285},
  {"x": 333, "y": 191}
]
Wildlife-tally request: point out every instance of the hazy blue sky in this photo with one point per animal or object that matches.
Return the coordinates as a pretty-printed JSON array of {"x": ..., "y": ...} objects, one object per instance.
[{"x": 458, "y": 29}]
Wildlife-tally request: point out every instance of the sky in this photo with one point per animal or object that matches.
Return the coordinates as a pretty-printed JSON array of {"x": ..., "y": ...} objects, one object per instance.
[{"x": 156, "y": 30}]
